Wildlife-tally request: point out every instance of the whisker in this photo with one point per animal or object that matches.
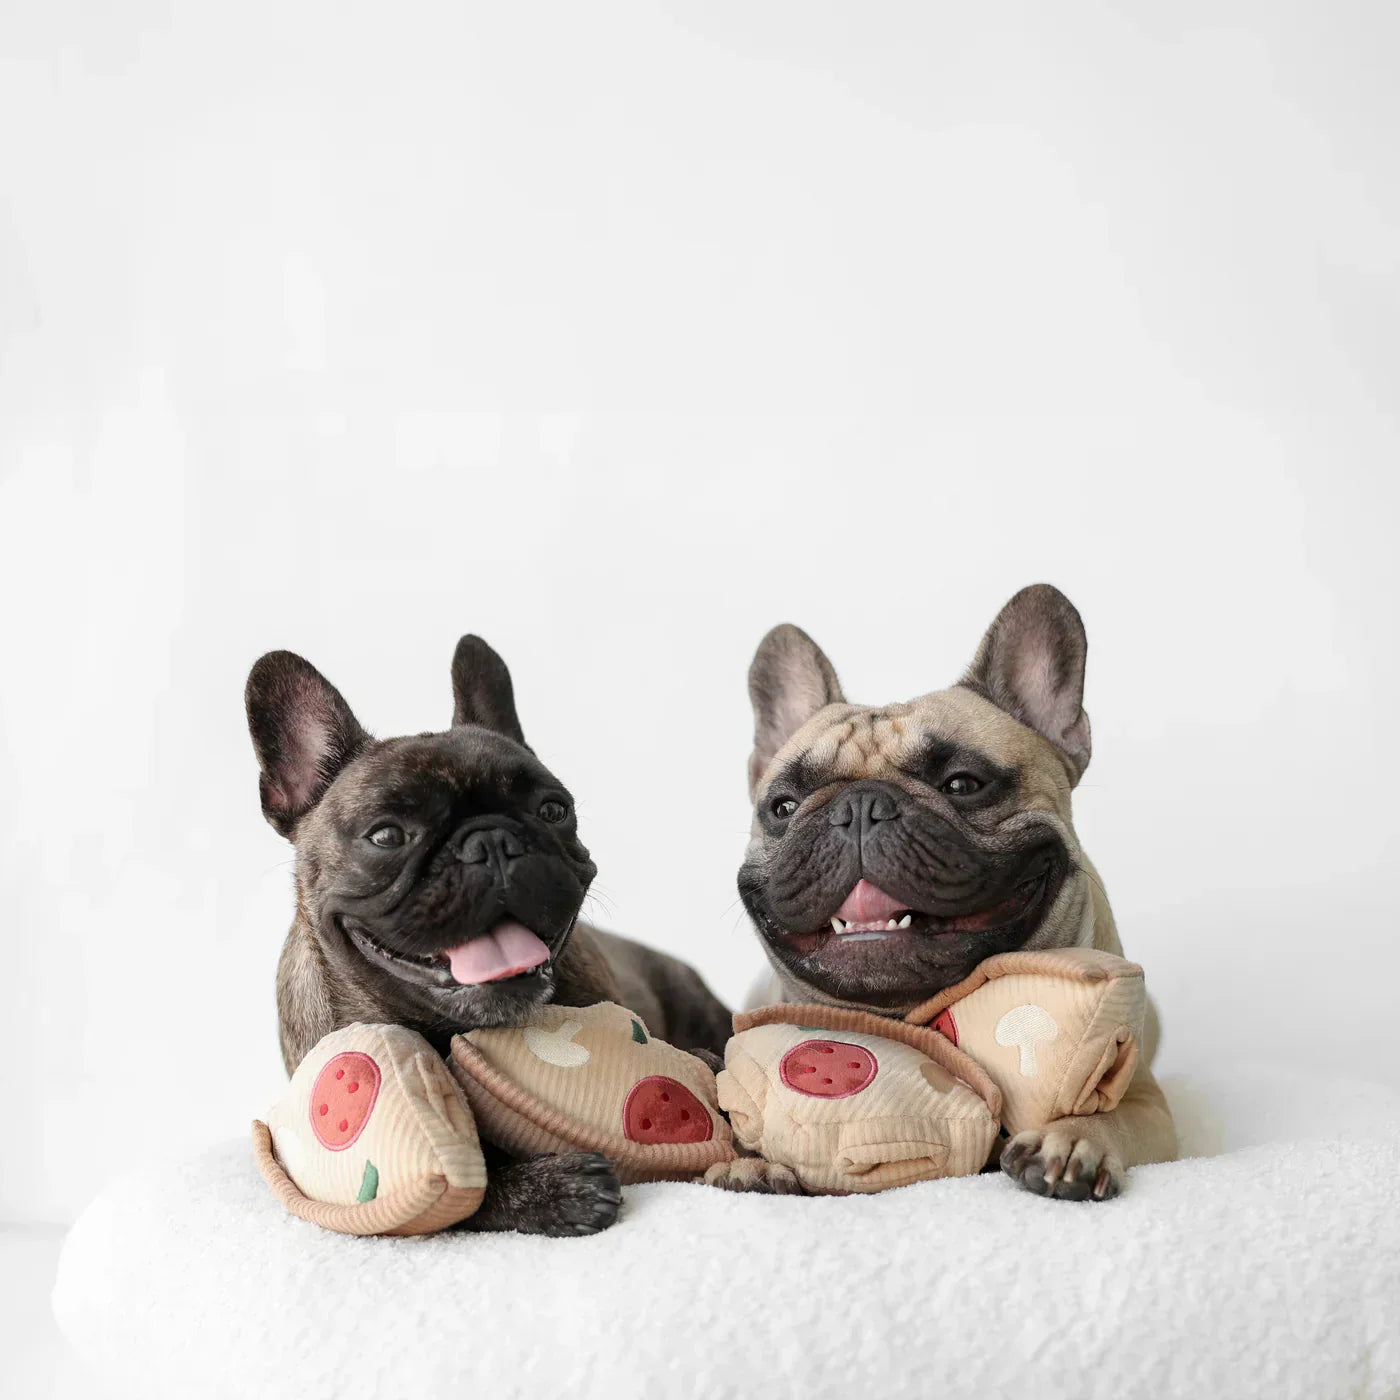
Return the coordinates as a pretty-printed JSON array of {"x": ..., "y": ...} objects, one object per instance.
[
  {"x": 1095, "y": 880},
  {"x": 599, "y": 899}
]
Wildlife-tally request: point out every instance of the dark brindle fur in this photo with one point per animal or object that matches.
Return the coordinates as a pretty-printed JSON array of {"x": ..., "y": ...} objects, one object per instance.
[{"x": 481, "y": 834}]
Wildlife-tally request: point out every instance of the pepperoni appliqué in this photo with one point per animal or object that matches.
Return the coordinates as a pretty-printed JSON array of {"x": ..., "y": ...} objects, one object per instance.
[
  {"x": 828, "y": 1069},
  {"x": 342, "y": 1098},
  {"x": 945, "y": 1025},
  {"x": 663, "y": 1110}
]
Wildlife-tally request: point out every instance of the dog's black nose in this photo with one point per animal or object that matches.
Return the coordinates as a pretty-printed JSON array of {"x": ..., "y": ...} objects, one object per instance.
[
  {"x": 862, "y": 806},
  {"x": 494, "y": 844}
]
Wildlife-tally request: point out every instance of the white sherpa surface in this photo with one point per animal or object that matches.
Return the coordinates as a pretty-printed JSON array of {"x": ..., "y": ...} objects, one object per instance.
[{"x": 1272, "y": 1270}]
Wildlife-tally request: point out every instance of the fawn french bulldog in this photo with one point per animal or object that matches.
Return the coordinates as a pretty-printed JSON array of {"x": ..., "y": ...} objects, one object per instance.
[{"x": 894, "y": 847}]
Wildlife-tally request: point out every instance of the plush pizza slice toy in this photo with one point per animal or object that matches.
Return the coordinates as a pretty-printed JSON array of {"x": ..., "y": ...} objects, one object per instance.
[
  {"x": 1057, "y": 1030},
  {"x": 373, "y": 1137},
  {"x": 594, "y": 1079},
  {"x": 852, "y": 1102}
]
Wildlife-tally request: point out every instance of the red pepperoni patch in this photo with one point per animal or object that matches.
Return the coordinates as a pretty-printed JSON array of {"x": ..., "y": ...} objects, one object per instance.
[
  {"x": 341, "y": 1101},
  {"x": 945, "y": 1024},
  {"x": 663, "y": 1110},
  {"x": 828, "y": 1069}
]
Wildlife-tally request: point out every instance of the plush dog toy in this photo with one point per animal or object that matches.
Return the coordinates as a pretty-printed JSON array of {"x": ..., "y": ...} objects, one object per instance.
[
  {"x": 373, "y": 1137},
  {"x": 376, "y": 1135},
  {"x": 852, "y": 1102},
  {"x": 593, "y": 1079}
]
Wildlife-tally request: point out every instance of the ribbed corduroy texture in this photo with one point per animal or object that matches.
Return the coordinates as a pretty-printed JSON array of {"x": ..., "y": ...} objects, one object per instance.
[
  {"x": 1039, "y": 1036},
  {"x": 1096, "y": 1002},
  {"x": 419, "y": 1208},
  {"x": 420, "y": 1138},
  {"x": 562, "y": 1084},
  {"x": 928, "y": 1112}
]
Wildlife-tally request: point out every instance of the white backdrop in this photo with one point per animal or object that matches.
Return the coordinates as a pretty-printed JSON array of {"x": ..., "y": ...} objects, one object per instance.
[{"x": 618, "y": 333}]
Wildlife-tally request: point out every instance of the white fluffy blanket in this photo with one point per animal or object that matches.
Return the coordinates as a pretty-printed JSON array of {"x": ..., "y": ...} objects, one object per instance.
[{"x": 1272, "y": 1270}]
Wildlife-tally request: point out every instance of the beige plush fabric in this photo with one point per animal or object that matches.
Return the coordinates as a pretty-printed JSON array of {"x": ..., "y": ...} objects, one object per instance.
[
  {"x": 373, "y": 1136},
  {"x": 855, "y": 1102},
  {"x": 1058, "y": 1031},
  {"x": 593, "y": 1079}
]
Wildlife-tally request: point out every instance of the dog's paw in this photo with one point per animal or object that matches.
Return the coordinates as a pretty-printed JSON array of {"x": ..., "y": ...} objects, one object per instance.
[
  {"x": 571, "y": 1193},
  {"x": 582, "y": 1194},
  {"x": 709, "y": 1059},
  {"x": 1064, "y": 1163},
  {"x": 755, "y": 1175}
]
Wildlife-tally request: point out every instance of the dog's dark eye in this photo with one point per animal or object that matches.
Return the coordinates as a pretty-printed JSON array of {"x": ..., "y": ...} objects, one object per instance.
[
  {"x": 961, "y": 785},
  {"x": 783, "y": 808},
  {"x": 387, "y": 836},
  {"x": 553, "y": 811}
]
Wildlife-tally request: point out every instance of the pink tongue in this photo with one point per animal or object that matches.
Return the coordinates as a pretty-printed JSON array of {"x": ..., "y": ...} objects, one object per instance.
[
  {"x": 509, "y": 948},
  {"x": 869, "y": 904}
]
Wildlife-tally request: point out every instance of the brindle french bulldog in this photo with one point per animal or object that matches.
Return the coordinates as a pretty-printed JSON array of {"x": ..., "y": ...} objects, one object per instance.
[
  {"x": 439, "y": 881},
  {"x": 895, "y": 847}
]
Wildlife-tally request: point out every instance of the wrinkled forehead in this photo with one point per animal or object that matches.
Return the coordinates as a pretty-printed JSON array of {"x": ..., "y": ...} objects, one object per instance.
[
  {"x": 421, "y": 769},
  {"x": 845, "y": 743}
]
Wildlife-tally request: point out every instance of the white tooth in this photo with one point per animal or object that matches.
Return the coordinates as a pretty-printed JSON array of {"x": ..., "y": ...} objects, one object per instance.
[
  {"x": 891, "y": 924},
  {"x": 836, "y": 925},
  {"x": 906, "y": 920}
]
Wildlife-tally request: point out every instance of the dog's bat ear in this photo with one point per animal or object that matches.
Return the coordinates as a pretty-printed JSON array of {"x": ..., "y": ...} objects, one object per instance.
[
  {"x": 1031, "y": 664},
  {"x": 303, "y": 734},
  {"x": 481, "y": 690},
  {"x": 789, "y": 681}
]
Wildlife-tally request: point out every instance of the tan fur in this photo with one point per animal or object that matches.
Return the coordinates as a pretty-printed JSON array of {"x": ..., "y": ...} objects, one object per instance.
[
  {"x": 864, "y": 742},
  {"x": 855, "y": 742}
]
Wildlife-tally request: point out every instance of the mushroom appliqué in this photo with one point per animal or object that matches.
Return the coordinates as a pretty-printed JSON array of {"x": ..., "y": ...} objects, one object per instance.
[
  {"x": 1026, "y": 1027},
  {"x": 556, "y": 1047}
]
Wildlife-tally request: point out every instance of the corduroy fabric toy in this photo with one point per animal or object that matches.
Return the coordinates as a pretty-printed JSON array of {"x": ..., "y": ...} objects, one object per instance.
[
  {"x": 376, "y": 1135},
  {"x": 853, "y": 1102},
  {"x": 1058, "y": 1030},
  {"x": 594, "y": 1079},
  {"x": 373, "y": 1137}
]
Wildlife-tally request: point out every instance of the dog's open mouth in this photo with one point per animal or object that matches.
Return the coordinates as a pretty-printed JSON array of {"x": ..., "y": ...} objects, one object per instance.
[
  {"x": 869, "y": 915},
  {"x": 507, "y": 952}
]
